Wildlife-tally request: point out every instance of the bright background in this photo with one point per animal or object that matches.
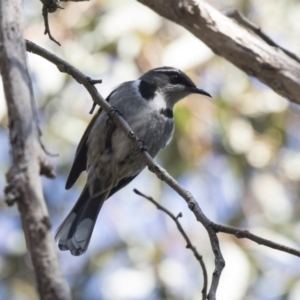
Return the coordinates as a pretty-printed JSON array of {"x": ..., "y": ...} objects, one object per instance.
[{"x": 238, "y": 154}]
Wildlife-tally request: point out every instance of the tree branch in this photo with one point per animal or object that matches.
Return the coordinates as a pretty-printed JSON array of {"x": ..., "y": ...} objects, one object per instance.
[
  {"x": 45, "y": 11},
  {"x": 242, "y": 20},
  {"x": 28, "y": 158},
  {"x": 226, "y": 38},
  {"x": 153, "y": 167},
  {"x": 211, "y": 228},
  {"x": 74, "y": 0},
  {"x": 53, "y": 5},
  {"x": 245, "y": 234},
  {"x": 189, "y": 245},
  {"x": 50, "y": 6}
]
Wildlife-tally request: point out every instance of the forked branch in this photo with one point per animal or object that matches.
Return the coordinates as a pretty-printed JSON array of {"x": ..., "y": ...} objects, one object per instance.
[
  {"x": 211, "y": 228},
  {"x": 189, "y": 244}
]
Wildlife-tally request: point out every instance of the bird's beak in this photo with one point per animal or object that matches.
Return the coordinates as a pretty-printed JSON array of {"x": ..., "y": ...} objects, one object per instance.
[{"x": 196, "y": 90}]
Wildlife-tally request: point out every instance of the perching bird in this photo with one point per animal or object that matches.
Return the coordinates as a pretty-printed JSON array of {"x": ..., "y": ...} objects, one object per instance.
[{"x": 110, "y": 158}]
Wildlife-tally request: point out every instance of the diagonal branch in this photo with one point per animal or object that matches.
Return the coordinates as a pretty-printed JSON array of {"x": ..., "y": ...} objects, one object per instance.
[
  {"x": 226, "y": 38},
  {"x": 242, "y": 20},
  {"x": 28, "y": 158},
  {"x": 189, "y": 245},
  {"x": 153, "y": 167},
  {"x": 245, "y": 234},
  {"x": 211, "y": 228}
]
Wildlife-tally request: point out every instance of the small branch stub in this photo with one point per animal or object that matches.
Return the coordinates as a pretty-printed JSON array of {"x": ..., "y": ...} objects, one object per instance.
[{"x": 45, "y": 12}]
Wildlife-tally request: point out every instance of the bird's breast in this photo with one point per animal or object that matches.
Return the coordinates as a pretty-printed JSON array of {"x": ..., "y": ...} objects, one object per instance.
[{"x": 154, "y": 127}]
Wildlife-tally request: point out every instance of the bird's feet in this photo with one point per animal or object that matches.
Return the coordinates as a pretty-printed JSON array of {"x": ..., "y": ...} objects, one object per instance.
[
  {"x": 142, "y": 145},
  {"x": 114, "y": 111}
]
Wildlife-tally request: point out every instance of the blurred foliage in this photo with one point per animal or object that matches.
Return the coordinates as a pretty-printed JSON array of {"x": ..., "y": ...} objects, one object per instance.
[{"x": 237, "y": 153}]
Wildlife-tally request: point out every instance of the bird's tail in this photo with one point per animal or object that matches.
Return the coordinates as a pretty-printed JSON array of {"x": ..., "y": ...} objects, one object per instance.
[{"x": 75, "y": 232}]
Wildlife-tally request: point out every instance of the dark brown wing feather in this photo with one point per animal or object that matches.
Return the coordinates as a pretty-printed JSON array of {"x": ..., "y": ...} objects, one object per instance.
[{"x": 80, "y": 160}]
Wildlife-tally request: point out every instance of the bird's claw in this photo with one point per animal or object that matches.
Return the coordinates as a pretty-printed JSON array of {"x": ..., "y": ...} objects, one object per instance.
[
  {"x": 114, "y": 111},
  {"x": 142, "y": 146}
]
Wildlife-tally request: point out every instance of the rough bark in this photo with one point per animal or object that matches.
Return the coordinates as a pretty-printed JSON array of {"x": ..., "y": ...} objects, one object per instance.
[
  {"x": 226, "y": 38},
  {"x": 28, "y": 158}
]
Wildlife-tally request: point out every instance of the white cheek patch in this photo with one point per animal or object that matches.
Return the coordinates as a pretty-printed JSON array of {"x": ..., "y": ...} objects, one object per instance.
[{"x": 158, "y": 102}]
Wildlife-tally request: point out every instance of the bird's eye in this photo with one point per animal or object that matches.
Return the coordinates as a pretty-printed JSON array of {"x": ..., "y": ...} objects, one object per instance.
[{"x": 175, "y": 79}]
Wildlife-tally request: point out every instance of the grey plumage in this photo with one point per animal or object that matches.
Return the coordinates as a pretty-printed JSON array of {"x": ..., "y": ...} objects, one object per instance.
[{"x": 110, "y": 158}]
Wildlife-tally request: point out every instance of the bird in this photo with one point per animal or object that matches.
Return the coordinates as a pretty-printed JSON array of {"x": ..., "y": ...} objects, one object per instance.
[{"x": 109, "y": 157}]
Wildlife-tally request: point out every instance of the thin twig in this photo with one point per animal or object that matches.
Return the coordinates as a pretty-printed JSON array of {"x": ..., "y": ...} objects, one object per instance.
[
  {"x": 189, "y": 245},
  {"x": 245, "y": 234},
  {"x": 52, "y": 5},
  {"x": 47, "y": 27},
  {"x": 73, "y": 0},
  {"x": 242, "y": 20}
]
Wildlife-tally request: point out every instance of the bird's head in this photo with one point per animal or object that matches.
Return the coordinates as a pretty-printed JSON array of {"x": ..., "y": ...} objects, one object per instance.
[{"x": 172, "y": 83}]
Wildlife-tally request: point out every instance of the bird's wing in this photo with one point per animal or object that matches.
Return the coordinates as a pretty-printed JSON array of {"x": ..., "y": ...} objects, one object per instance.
[
  {"x": 121, "y": 184},
  {"x": 80, "y": 160}
]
